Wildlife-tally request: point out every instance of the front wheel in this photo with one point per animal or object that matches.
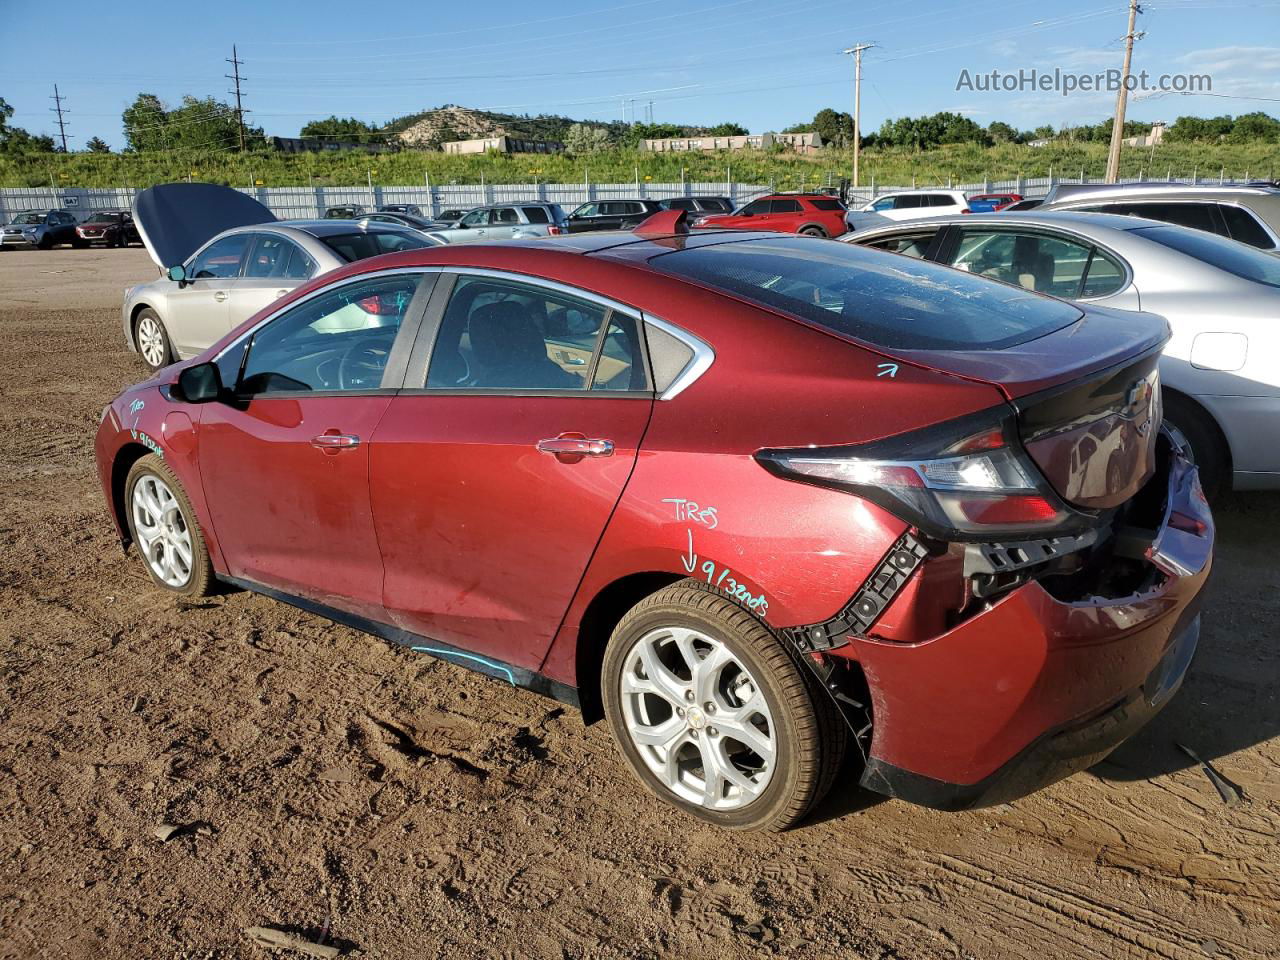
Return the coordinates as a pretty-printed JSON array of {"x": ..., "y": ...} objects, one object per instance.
[
  {"x": 714, "y": 715},
  {"x": 152, "y": 340},
  {"x": 163, "y": 526}
]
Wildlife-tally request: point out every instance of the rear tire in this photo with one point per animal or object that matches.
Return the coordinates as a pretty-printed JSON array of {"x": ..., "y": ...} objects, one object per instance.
[
  {"x": 741, "y": 735},
  {"x": 812, "y": 232},
  {"x": 152, "y": 340},
  {"x": 164, "y": 529},
  {"x": 1195, "y": 431}
]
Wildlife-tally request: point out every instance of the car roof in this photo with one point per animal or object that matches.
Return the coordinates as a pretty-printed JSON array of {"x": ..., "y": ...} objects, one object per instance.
[
  {"x": 328, "y": 228},
  {"x": 1110, "y": 191},
  {"x": 1030, "y": 218}
]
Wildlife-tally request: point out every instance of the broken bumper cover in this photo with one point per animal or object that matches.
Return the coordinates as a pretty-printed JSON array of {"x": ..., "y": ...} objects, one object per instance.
[{"x": 1035, "y": 689}]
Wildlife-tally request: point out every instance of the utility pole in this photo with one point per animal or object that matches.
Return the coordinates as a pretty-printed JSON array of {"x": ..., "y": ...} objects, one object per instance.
[
  {"x": 57, "y": 108},
  {"x": 1122, "y": 97},
  {"x": 236, "y": 63},
  {"x": 856, "y": 50}
]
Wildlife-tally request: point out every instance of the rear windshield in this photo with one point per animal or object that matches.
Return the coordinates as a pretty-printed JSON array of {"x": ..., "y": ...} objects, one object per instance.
[
  {"x": 359, "y": 246},
  {"x": 876, "y": 297},
  {"x": 1229, "y": 255}
]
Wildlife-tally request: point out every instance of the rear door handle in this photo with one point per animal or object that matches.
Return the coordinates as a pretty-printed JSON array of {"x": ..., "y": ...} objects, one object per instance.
[
  {"x": 219, "y": 295},
  {"x": 333, "y": 442},
  {"x": 570, "y": 448}
]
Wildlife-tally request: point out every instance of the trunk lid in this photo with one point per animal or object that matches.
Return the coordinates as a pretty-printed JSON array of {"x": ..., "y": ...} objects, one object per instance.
[
  {"x": 175, "y": 220},
  {"x": 1088, "y": 400}
]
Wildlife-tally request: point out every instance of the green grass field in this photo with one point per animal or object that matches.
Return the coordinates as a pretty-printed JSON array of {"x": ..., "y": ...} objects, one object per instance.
[{"x": 963, "y": 163}]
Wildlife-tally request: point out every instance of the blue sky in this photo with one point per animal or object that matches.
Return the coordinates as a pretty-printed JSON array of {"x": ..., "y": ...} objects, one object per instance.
[{"x": 762, "y": 63}]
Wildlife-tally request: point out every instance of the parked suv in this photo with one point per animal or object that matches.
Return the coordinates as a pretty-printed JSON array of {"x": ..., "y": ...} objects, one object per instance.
[
  {"x": 747, "y": 497},
  {"x": 412, "y": 209},
  {"x": 699, "y": 206},
  {"x": 812, "y": 214},
  {"x": 912, "y": 204},
  {"x": 506, "y": 221},
  {"x": 1248, "y": 214},
  {"x": 42, "y": 229},
  {"x": 611, "y": 215},
  {"x": 115, "y": 228},
  {"x": 345, "y": 211}
]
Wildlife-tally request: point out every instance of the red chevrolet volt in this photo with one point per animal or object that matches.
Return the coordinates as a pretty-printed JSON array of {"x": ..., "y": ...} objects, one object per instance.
[{"x": 749, "y": 497}]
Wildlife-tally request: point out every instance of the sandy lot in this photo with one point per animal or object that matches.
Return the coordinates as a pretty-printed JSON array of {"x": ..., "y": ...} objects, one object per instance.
[{"x": 400, "y": 807}]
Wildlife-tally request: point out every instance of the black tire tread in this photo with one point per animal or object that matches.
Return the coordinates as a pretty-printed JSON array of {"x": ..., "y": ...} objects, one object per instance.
[{"x": 820, "y": 731}]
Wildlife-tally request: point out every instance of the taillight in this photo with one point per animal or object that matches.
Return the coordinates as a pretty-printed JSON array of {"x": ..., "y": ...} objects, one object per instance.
[
  {"x": 963, "y": 480},
  {"x": 554, "y": 231},
  {"x": 373, "y": 304}
]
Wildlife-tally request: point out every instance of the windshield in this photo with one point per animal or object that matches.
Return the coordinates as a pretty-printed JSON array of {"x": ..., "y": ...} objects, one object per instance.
[
  {"x": 359, "y": 246},
  {"x": 29, "y": 218},
  {"x": 103, "y": 218},
  {"x": 1229, "y": 255},
  {"x": 876, "y": 297}
]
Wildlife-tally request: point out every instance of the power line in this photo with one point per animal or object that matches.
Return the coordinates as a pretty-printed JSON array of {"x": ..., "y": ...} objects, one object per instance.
[
  {"x": 236, "y": 63},
  {"x": 57, "y": 108}
]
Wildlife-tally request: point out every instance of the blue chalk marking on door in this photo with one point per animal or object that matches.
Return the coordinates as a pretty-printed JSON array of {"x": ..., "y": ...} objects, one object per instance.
[
  {"x": 887, "y": 370},
  {"x": 511, "y": 677}
]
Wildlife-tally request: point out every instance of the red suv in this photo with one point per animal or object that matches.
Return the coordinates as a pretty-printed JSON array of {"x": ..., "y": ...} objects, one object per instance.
[
  {"x": 747, "y": 497},
  {"x": 813, "y": 214}
]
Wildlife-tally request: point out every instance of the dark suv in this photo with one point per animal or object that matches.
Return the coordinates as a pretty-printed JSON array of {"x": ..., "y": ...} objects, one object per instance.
[
  {"x": 611, "y": 215},
  {"x": 699, "y": 206},
  {"x": 115, "y": 228}
]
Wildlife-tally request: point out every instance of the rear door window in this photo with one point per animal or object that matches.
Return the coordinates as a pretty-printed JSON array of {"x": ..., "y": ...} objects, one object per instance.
[
  {"x": 499, "y": 335},
  {"x": 785, "y": 206},
  {"x": 892, "y": 302},
  {"x": 505, "y": 215},
  {"x": 271, "y": 257},
  {"x": 681, "y": 204},
  {"x": 908, "y": 201}
]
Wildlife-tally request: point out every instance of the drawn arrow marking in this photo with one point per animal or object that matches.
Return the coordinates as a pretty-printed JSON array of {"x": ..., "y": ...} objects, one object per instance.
[
  {"x": 691, "y": 561},
  {"x": 887, "y": 370}
]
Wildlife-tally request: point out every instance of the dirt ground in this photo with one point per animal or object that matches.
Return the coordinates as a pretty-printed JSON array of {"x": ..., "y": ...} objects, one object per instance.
[{"x": 400, "y": 807}]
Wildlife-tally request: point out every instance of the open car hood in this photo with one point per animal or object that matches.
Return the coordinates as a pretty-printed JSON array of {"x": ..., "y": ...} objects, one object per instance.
[{"x": 176, "y": 219}]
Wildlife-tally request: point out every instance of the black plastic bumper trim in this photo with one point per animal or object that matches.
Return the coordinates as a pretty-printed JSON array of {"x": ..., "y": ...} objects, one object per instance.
[{"x": 498, "y": 669}]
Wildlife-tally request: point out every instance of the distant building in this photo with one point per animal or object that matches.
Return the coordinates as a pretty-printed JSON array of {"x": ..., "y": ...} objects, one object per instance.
[
  {"x": 800, "y": 142},
  {"x": 318, "y": 144},
  {"x": 675, "y": 144},
  {"x": 1040, "y": 142},
  {"x": 807, "y": 142},
  {"x": 1152, "y": 139},
  {"x": 503, "y": 144}
]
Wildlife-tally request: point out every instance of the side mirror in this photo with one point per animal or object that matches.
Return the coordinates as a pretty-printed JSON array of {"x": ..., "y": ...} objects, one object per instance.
[
  {"x": 200, "y": 384},
  {"x": 177, "y": 274}
]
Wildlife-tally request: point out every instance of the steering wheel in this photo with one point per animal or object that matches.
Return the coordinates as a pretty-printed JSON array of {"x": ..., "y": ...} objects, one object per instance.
[{"x": 363, "y": 363}]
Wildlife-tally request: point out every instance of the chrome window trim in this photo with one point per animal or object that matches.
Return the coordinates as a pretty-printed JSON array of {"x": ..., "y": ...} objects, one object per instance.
[
  {"x": 319, "y": 291},
  {"x": 703, "y": 357}
]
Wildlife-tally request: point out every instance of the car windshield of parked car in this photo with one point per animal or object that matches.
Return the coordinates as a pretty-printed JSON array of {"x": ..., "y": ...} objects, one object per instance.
[
  {"x": 360, "y": 246},
  {"x": 1229, "y": 255},
  {"x": 103, "y": 218},
  {"x": 30, "y": 218},
  {"x": 879, "y": 298}
]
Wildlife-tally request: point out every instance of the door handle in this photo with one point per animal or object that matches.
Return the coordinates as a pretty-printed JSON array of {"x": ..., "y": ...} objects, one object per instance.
[
  {"x": 572, "y": 447},
  {"x": 220, "y": 295},
  {"x": 334, "y": 442}
]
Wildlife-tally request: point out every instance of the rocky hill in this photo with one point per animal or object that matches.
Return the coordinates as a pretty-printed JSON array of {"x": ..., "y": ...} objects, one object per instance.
[{"x": 433, "y": 127}]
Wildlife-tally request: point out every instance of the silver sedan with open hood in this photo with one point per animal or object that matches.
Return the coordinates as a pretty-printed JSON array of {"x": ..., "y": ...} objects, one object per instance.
[{"x": 223, "y": 257}]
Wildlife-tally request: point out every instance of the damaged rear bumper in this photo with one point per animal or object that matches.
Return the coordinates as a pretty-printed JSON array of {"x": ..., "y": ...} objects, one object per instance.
[{"x": 1034, "y": 687}]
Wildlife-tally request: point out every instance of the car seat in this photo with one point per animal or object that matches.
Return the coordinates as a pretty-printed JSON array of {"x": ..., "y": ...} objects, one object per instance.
[{"x": 508, "y": 350}]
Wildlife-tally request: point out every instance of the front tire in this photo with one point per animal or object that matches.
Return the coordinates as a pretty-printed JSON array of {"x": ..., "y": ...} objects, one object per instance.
[
  {"x": 1200, "y": 437},
  {"x": 714, "y": 715},
  {"x": 152, "y": 339},
  {"x": 164, "y": 529}
]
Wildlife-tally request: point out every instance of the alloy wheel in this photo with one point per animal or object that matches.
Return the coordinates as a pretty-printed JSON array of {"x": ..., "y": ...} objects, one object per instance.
[
  {"x": 162, "y": 531},
  {"x": 151, "y": 341},
  {"x": 698, "y": 719}
]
